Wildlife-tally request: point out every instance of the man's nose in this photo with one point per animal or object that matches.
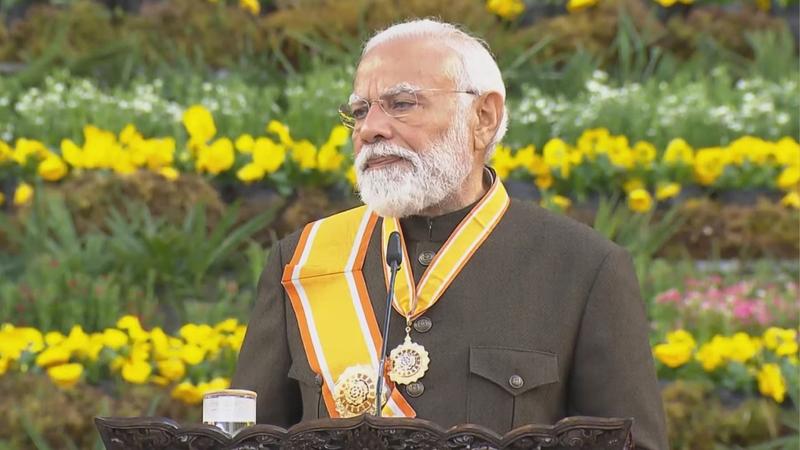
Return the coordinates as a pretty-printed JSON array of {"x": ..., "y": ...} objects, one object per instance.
[{"x": 376, "y": 126}]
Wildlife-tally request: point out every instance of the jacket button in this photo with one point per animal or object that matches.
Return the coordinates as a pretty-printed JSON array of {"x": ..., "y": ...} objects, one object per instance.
[
  {"x": 516, "y": 381},
  {"x": 318, "y": 379},
  {"x": 415, "y": 389},
  {"x": 423, "y": 324},
  {"x": 426, "y": 257}
]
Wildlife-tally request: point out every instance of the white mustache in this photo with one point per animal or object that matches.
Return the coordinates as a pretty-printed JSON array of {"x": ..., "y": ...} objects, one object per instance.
[{"x": 383, "y": 149}]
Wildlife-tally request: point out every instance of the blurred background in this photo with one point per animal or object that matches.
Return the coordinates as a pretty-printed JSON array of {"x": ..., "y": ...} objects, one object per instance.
[{"x": 152, "y": 151}]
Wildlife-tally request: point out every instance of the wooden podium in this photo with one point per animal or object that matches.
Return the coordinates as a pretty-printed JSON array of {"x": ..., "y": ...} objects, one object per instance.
[{"x": 364, "y": 433}]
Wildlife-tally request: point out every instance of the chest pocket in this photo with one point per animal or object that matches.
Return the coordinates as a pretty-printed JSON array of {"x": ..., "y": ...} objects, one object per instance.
[
  {"x": 310, "y": 391},
  {"x": 507, "y": 386}
]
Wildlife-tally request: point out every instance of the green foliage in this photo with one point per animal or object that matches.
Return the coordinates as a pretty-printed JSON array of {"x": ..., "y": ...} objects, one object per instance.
[
  {"x": 55, "y": 277},
  {"x": 700, "y": 418},
  {"x": 36, "y": 411}
]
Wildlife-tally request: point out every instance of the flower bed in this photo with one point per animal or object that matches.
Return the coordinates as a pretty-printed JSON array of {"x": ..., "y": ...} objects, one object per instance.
[{"x": 598, "y": 162}]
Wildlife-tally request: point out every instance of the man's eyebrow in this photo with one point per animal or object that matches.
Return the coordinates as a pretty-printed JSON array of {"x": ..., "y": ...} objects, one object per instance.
[{"x": 396, "y": 89}]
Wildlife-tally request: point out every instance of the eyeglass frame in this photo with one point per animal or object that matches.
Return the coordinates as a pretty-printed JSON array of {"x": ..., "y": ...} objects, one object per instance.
[{"x": 350, "y": 122}]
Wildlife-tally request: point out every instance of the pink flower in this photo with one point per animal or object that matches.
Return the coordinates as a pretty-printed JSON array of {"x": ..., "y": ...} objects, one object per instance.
[{"x": 671, "y": 296}]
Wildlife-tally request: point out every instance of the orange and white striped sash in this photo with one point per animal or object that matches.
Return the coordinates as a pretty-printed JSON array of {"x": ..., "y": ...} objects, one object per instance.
[{"x": 326, "y": 286}]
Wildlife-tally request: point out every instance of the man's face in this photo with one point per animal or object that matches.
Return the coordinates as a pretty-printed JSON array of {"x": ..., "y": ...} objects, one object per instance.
[{"x": 410, "y": 163}]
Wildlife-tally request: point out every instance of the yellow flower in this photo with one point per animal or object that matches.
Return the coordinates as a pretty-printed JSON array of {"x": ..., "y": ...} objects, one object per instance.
[
  {"x": 633, "y": 184},
  {"x": 214, "y": 385},
  {"x": 4, "y": 363},
  {"x": 28, "y": 147},
  {"x": 5, "y": 152},
  {"x": 578, "y": 5},
  {"x": 507, "y": 9},
  {"x": 620, "y": 153},
  {"x": 244, "y": 143},
  {"x": 644, "y": 153},
  {"x": 329, "y": 158},
  {"x": 217, "y": 157},
  {"x": 171, "y": 369},
  {"x": 65, "y": 375},
  {"x": 129, "y": 134},
  {"x": 192, "y": 354},
  {"x": 502, "y": 161},
  {"x": 114, "y": 339},
  {"x": 673, "y": 355},
  {"x": 136, "y": 371},
  {"x": 556, "y": 155},
  {"x": 713, "y": 354},
  {"x": 281, "y": 130},
  {"x": 249, "y": 173},
  {"x": 339, "y": 136},
  {"x": 677, "y": 351},
  {"x": 187, "y": 393},
  {"x": 268, "y": 155},
  {"x": 199, "y": 124},
  {"x": 23, "y": 194},
  {"x": 782, "y": 341},
  {"x": 681, "y": 336},
  {"x": 562, "y": 202},
  {"x": 544, "y": 181},
  {"x": 305, "y": 154},
  {"x": 71, "y": 153},
  {"x": 131, "y": 324},
  {"x": 53, "y": 356},
  {"x": 52, "y": 168},
  {"x": 678, "y": 152},
  {"x": 2, "y": 199},
  {"x": 771, "y": 382},
  {"x": 789, "y": 178},
  {"x": 169, "y": 173},
  {"x": 196, "y": 334},
  {"x": 227, "y": 325},
  {"x": 639, "y": 200},
  {"x": 743, "y": 347},
  {"x": 252, "y": 6},
  {"x": 668, "y": 190},
  {"x": 53, "y": 338},
  {"x": 158, "y": 153},
  {"x": 709, "y": 164},
  {"x": 791, "y": 200}
]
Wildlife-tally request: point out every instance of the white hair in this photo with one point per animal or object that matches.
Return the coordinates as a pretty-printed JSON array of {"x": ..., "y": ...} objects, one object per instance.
[{"x": 478, "y": 72}]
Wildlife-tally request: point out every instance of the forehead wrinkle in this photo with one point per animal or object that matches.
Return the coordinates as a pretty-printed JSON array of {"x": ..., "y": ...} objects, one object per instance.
[{"x": 396, "y": 89}]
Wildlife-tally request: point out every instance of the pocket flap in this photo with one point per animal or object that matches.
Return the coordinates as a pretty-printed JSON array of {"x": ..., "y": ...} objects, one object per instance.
[
  {"x": 515, "y": 370},
  {"x": 303, "y": 374}
]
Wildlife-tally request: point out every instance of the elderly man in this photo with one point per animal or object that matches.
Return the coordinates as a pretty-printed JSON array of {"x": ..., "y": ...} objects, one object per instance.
[{"x": 509, "y": 314}]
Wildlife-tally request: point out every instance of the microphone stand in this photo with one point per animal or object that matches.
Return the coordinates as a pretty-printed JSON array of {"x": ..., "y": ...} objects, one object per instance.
[{"x": 394, "y": 256}]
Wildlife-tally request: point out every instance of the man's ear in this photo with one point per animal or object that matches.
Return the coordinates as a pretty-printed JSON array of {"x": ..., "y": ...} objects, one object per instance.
[{"x": 489, "y": 114}]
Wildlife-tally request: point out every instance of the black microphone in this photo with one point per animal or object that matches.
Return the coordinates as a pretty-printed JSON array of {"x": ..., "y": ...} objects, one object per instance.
[{"x": 394, "y": 257}]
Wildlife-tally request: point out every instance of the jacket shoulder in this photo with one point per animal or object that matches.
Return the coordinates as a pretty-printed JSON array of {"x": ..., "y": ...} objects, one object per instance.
[{"x": 554, "y": 231}]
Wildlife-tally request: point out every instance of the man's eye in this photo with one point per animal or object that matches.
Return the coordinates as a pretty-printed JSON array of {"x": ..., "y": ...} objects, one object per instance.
[
  {"x": 402, "y": 105},
  {"x": 360, "y": 112}
]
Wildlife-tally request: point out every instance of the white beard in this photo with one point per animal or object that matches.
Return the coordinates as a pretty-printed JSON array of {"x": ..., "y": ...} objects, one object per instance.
[{"x": 436, "y": 173}]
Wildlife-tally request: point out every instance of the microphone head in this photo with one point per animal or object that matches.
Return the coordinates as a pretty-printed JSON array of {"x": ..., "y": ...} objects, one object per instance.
[{"x": 394, "y": 253}]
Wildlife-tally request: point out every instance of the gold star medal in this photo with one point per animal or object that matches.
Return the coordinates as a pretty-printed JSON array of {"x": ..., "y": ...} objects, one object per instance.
[{"x": 409, "y": 361}]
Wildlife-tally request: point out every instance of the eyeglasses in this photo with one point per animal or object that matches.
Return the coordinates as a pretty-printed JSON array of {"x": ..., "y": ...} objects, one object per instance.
[{"x": 394, "y": 104}]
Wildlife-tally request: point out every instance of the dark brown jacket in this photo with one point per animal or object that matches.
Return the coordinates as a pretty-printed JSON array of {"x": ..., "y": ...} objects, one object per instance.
[{"x": 544, "y": 298}]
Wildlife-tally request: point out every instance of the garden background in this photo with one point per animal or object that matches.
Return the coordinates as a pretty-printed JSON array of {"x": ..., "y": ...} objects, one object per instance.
[{"x": 151, "y": 152}]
